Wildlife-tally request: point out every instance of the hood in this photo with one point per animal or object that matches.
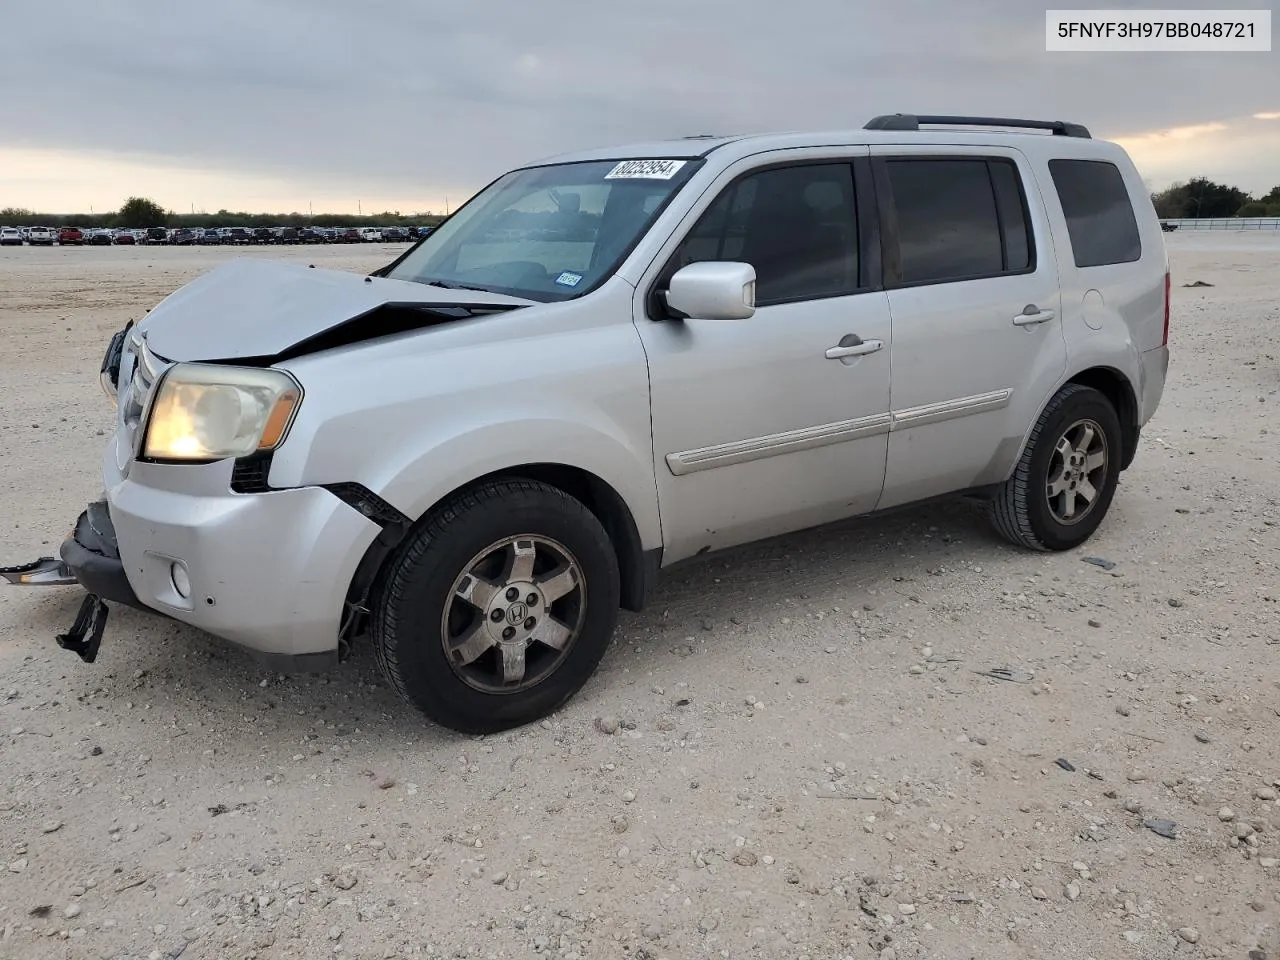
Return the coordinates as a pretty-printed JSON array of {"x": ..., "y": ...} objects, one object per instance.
[{"x": 263, "y": 308}]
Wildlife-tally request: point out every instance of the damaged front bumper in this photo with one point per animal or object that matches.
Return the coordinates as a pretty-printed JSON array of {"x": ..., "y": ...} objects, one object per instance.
[{"x": 266, "y": 572}]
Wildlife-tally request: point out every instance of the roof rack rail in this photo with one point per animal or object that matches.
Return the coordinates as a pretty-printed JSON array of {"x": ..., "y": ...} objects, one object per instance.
[{"x": 909, "y": 121}]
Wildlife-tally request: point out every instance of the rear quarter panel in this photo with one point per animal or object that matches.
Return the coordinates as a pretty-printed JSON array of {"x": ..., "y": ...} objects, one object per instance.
[{"x": 1112, "y": 313}]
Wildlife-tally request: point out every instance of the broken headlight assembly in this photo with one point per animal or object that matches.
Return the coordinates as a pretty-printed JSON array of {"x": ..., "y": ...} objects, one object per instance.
[{"x": 203, "y": 412}]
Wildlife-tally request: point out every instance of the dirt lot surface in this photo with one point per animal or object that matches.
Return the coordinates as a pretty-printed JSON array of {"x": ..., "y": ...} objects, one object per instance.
[{"x": 808, "y": 761}]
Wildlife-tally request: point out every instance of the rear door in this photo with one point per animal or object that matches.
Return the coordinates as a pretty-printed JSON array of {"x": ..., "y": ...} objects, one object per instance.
[{"x": 972, "y": 285}]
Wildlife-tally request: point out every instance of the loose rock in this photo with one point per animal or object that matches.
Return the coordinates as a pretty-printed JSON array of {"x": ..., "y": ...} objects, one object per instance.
[
  {"x": 1189, "y": 934},
  {"x": 607, "y": 725}
]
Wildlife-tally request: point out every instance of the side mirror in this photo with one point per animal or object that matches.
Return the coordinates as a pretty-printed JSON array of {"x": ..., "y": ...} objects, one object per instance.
[{"x": 713, "y": 290}]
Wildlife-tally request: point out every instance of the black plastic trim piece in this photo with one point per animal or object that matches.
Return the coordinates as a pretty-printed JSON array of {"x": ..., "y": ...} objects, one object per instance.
[
  {"x": 249, "y": 474},
  {"x": 365, "y": 501},
  {"x": 912, "y": 122},
  {"x": 639, "y": 586}
]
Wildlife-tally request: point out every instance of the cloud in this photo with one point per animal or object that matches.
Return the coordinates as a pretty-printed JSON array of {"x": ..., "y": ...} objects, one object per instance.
[
  {"x": 415, "y": 101},
  {"x": 1232, "y": 151},
  {"x": 1272, "y": 115}
]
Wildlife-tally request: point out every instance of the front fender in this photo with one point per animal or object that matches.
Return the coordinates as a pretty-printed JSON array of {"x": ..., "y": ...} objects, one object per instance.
[
  {"x": 419, "y": 477},
  {"x": 415, "y": 418}
]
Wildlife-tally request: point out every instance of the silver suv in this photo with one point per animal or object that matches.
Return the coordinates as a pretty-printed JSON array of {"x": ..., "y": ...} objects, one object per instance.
[{"x": 609, "y": 362}]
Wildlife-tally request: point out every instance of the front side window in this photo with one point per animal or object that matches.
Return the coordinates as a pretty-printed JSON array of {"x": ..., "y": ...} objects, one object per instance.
[
  {"x": 959, "y": 218},
  {"x": 547, "y": 233},
  {"x": 1099, "y": 215},
  {"x": 796, "y": 225}
]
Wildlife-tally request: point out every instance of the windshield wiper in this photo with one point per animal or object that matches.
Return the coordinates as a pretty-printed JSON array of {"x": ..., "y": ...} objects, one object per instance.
[{"x": 454, "y": 286}]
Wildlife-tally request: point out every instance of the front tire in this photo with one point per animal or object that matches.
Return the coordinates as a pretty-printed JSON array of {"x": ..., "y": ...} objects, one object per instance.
[
  {"x": 1065, "y": 480},
  {"x": 499, "y": 607}
]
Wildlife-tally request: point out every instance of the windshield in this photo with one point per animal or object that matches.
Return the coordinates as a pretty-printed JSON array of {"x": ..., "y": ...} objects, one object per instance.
[{"x": 547, "y": 233}]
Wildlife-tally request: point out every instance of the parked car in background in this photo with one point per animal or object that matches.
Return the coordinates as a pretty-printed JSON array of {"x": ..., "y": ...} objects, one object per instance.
[
  {"x": 350, "y": 235},
  {"x": 310, "y": 235},
  {"x": 370, "y": 235},
  {"x": 71, "y": 236},
  {"x": 237, "y": 235},
  {"x": 395, "y": 235},
  {"x": 209, "y": 237},
  {"x": 262, "y": 235},
  {"x": 125, "y": 238},
  {"x": 156, "y": 235},
  {"x": 41, "y": 236},
  {"x": 287, "y": 235},
  {"x": 182, "y": 236},
  {"x": 10, "y": 237},
  {"x": 99, "y": 237}
]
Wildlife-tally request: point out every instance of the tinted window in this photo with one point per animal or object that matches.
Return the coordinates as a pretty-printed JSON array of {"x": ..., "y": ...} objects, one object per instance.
[
  {"x": 795, "y": 225},
  {"x": 959, "y": 218},
  {"x": 1012, "y": 208},
  {"x": 1099, "y": 215}
]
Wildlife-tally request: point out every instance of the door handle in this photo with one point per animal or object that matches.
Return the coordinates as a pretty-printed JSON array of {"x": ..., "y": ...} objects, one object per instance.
[
  {"x": 852, "y": 345},
  {"x": 1031, "y": 315}
]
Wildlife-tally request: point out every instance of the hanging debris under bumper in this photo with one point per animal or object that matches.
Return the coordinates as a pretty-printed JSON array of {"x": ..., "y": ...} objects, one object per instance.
[
  {"x": 89, "y": 557},
  {"x": 45, "y": 572}
]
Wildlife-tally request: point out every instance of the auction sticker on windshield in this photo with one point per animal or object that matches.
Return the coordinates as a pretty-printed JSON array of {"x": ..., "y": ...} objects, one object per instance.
[{"x": 645, "y": 170}]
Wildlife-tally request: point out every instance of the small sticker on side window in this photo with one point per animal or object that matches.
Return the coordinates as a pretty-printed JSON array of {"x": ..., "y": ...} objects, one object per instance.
[
  {"x": 568, "y": 279},
  {"x": 645, "y": 170}
]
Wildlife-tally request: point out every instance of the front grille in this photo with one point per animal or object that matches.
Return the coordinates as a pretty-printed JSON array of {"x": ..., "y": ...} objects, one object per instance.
[{"x": 144, "y": 369}]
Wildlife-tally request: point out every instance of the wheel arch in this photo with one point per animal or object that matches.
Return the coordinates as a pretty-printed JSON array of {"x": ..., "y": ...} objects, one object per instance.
[
  {"x": 637, "y": 567},
  {"x": 1118, "y": 389}
]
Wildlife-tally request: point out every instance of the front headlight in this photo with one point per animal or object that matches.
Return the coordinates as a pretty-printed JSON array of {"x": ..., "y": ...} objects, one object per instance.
[{"x": 204, "y": 412}]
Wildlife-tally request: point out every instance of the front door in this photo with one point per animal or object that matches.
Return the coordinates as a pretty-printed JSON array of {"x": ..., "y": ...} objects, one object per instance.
[{"x": 780, "y": 421}]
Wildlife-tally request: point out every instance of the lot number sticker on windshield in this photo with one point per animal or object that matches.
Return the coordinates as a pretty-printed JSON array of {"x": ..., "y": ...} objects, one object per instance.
[
  {"x": 645, "y": 170},
  {"x": 568, "y": 279}
]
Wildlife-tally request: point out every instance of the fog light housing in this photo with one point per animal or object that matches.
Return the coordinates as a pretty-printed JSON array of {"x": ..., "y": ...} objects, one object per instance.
[{"x": 181, "y": 579}]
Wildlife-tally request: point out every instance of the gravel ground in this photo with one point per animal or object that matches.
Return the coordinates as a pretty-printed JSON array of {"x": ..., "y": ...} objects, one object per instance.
[{"x": 794, "y": 753}]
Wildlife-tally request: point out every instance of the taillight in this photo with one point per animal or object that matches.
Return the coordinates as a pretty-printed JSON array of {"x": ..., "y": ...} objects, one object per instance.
[{"x": 1165, "y": 341}]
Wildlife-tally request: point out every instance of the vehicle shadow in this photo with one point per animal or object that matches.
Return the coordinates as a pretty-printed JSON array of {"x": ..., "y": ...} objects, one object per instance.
[{"x": 185, "y": 673}]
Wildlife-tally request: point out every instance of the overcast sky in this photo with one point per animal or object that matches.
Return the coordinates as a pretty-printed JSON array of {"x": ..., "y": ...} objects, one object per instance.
[{"x": 398, "y": 104}]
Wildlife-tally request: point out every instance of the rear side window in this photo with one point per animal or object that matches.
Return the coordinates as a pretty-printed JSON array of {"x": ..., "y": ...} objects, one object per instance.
[
  {"x": 959, "y": 218},
  {"x": 1100, "y": 218}
]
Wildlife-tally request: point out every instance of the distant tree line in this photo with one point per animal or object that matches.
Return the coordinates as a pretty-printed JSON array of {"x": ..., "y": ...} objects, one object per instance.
[
  {"x": 142, "y": 212},
  {"x": 1201, "y": 197},
  {"x": 1195, "y": 198}
]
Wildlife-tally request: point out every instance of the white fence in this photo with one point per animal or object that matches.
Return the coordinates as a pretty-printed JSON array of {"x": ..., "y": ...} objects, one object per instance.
[{"x": 1227, "y": 223}]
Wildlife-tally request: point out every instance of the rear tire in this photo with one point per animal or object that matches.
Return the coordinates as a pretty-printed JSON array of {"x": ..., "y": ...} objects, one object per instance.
[
  {"x": 1067, "y": 475},
  {"x": 499, "y": 607}
]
